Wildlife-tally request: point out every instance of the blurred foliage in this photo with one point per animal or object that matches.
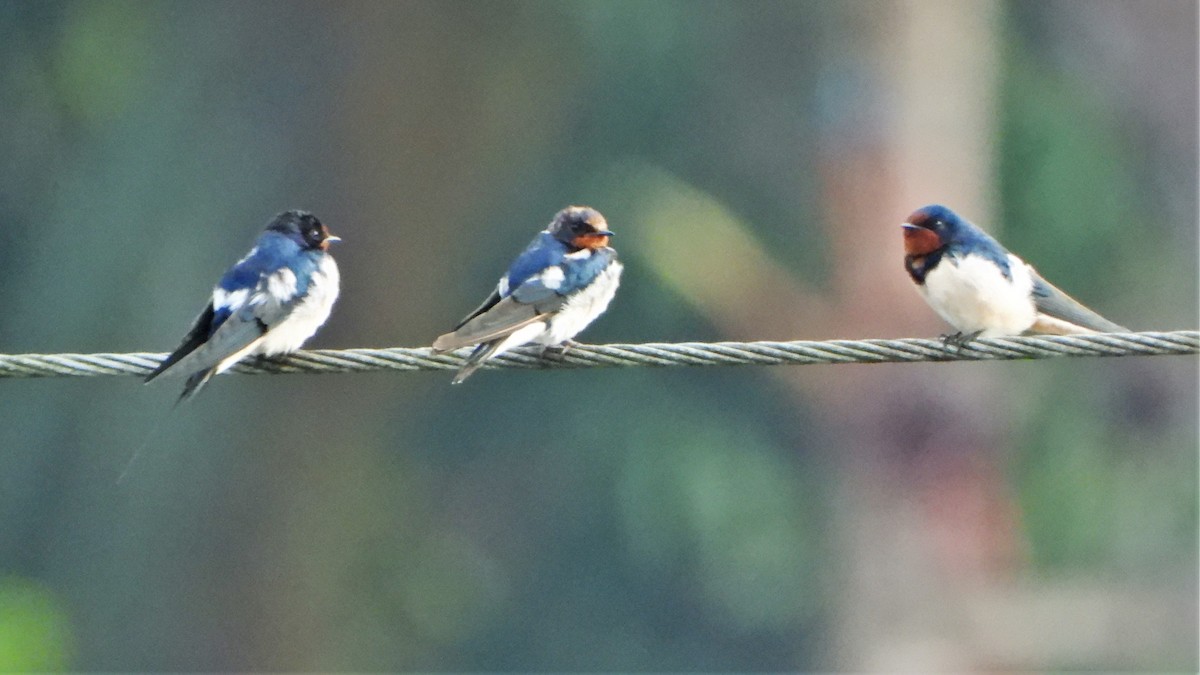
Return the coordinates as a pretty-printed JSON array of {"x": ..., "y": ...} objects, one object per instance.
[
  {"x": 737, "y": 524},
  {"x": 102, "y": 60},
  {"x": 1069, "y": 190},
  {"x": 34, "y": 628},
  {"x": 1079, "y": 480},
  {"x": 699, "y": 250},
  {"x": 708, "y": 519},
  {"x": 1071, "y": 193}
]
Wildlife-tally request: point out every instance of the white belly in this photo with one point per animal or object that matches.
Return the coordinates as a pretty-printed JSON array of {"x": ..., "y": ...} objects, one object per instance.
[
  {"x": 972, "y": 294},
  {"x": 583, "y": 307}
]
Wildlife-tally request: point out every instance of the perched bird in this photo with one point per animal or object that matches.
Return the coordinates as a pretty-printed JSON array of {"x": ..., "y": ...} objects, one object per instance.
[
  {"x": 980, "y": 288},
  {"x": 268, "y": 303},
  {"x": 559, "y": 284}
]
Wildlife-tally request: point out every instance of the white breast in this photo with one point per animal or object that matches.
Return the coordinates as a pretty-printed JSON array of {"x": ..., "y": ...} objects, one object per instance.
[
  {"x": 583, "y": 307},
  {"x": 308, "y": 314},
  {"x": 972, "y": 294}
]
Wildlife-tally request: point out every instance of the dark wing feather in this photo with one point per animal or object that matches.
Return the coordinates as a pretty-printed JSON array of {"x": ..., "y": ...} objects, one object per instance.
[
  {"x": 248, "y": 322},
  {"x": 487, "y": 304},
  {"x": 237, "y": 333},
  {"x": 530, "y": 300},
  {"x": 195, "y": 337},
  {"x": 1053, "y": 302},
  {"x": 502, "y": 319}
]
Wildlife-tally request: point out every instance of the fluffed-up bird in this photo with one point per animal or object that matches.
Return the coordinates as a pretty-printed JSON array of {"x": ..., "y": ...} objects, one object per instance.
[
  {"x": 558, "y": 285},
  {"x": 269, "y": 303}
]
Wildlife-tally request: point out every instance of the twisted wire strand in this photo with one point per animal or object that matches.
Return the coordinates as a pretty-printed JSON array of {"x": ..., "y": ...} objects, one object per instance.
[{"x": 653, "y": 354}]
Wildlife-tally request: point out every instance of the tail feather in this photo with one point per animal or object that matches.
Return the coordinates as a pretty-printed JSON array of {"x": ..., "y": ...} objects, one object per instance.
[
  {"x": 476, "y": 360},
  {"x": 194, "y": 383}
]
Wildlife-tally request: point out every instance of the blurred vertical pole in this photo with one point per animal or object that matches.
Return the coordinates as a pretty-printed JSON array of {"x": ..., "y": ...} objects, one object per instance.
[
  {"x": 929, "y": 139},
  {"x": 944, "y": 83}
]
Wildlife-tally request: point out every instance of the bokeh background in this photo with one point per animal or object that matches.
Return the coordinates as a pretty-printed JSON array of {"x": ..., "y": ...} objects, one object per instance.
[{"x": 754, "y": 159}]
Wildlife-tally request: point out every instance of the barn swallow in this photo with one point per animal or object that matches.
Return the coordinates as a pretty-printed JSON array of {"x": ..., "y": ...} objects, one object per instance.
[
  {"x": 267, "y": 304},
  {"x": 980, "y": 288},
  {"x": 558, "y": 285}
]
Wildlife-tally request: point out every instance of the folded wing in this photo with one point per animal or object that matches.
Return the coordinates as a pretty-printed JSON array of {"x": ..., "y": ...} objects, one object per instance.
[
  {"x": 229, "y": 328},
  {"x": 1054, "y": 303},
  {"x": 502, "y": 318},
  {"x": 537, "y": 296}
]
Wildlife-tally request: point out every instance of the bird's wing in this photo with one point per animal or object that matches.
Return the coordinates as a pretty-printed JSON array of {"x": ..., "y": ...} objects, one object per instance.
[
  {"x": 537, "y": 296},
  {"x": 236, "y": 333},
  {"x": 576, "y": 272},
  {"x": 233, "y": 322},
  {"x": 547, "y": 286},
  {"x": 1054, "y": 303},
  {"x": 540, "y": 255},
  {"x": 507, "y": 310},
  {"x": 485, "y": 306},
  {"x": 503, "y": 318},
  {"x": 199, "y": 333}
]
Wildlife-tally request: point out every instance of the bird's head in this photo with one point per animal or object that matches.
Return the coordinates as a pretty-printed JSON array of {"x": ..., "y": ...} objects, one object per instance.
[
  {"x": 580, "y": 227},
  {"x": 929, "y": 229},
  {"x": 303, "y": 228}
]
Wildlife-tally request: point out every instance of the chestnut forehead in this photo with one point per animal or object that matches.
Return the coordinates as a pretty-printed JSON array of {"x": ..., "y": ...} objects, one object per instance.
[{"x": 920, "y": 218}]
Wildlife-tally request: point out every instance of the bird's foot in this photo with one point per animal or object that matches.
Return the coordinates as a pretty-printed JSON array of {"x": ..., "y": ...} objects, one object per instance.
[
  {"x": 557, "y": 352},
  {"x": 960, "y": 339},
  {"x": 272, "y": 363}
]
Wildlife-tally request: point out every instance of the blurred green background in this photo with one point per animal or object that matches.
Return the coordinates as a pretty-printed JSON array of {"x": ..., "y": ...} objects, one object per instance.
[{"x": 754, "y": 159}]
